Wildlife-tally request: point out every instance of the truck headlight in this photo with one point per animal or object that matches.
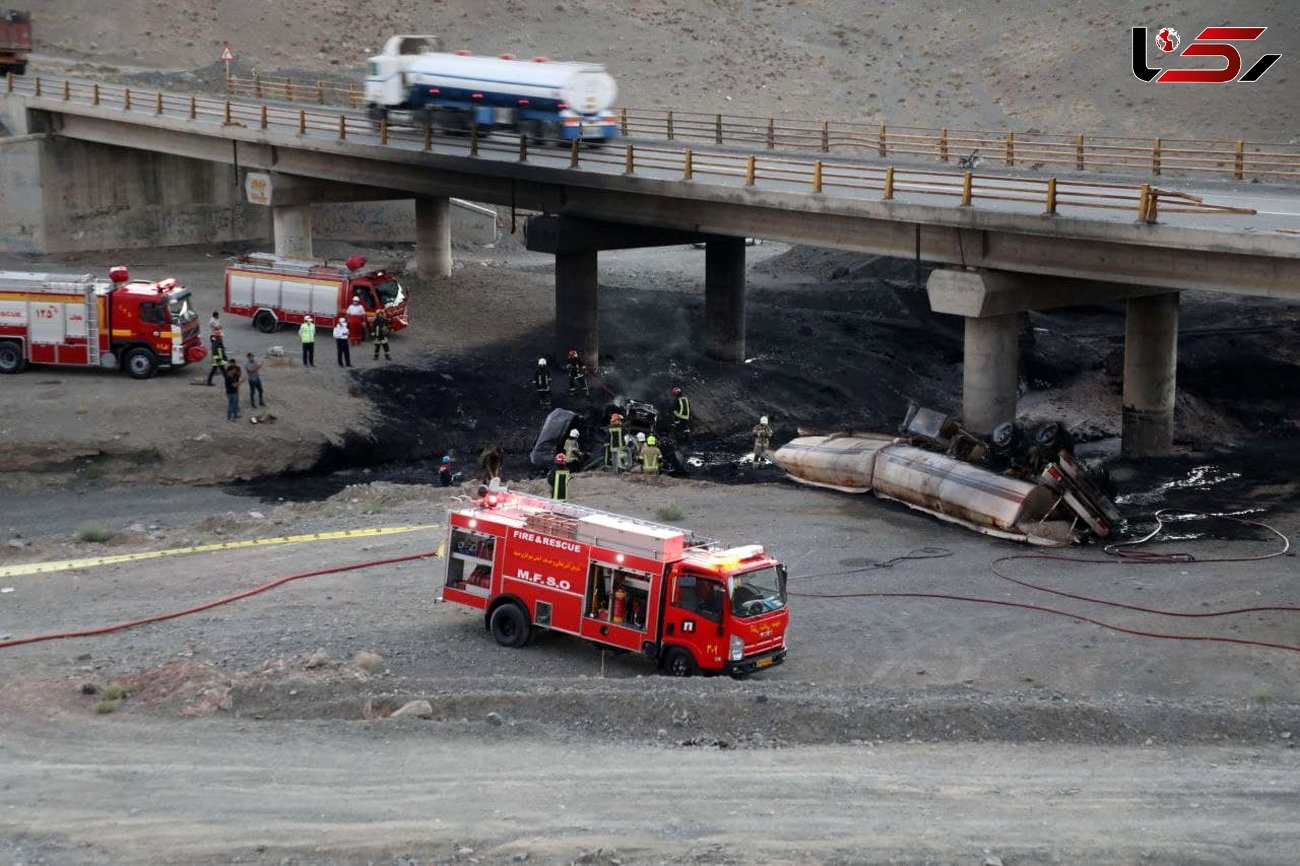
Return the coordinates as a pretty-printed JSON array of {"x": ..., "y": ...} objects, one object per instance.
[{"x": 736, "y": 648}]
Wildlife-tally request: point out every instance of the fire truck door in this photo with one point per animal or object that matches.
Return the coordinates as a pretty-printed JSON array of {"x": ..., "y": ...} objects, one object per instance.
[{"x": 693, "y": 618}]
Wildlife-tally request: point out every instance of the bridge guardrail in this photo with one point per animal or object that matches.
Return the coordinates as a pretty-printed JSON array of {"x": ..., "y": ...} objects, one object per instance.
[
  {"x": 1076, "y": 151},
  {"x": 774, "y": 172}
]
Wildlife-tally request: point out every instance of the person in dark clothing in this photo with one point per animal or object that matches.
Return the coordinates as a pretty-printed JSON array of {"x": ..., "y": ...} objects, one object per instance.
[
  {"x": 558, "y": 479},
  {"x": 219, "y": 359},
  {"x": 489, "y": 460},
  {"x": 681, "y": 416},
  {"x": 444, "y": 472},
  {"x": 232, "y": 377},
  {"x": 577, "y": 374},
  {"x": 542, "y": 383},
  {"x": 379, "y": 329}
]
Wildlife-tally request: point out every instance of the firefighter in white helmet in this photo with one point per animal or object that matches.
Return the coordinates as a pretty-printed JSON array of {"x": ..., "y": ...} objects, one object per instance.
[
  {"x": 573, "y": 449},
  {"x": 762, "y": 439},
  {"x": 542, "y": 383}
]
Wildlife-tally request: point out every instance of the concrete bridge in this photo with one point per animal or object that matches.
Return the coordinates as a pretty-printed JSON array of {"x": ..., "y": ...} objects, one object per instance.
[{"x": 1010, "y": 244}]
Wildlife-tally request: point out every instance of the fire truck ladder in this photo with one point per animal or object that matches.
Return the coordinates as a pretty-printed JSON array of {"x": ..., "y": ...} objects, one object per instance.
[
  {"x": 92, "y": 330},
  {"x": 295, "y": 267},
  {"x": 563, "y": 515}
]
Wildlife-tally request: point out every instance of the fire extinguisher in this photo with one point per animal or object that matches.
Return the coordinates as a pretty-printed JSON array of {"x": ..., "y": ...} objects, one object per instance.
[{"x": 620, "y": 605}]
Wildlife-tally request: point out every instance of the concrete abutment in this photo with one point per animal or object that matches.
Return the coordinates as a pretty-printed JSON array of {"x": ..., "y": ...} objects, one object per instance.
[
  {"x": 1150, "y": 375},
  {"x": 724, "y": 299}
]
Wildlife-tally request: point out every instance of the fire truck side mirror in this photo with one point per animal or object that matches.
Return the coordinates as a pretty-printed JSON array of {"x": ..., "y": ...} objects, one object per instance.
[{"x": 781, "y": 576}]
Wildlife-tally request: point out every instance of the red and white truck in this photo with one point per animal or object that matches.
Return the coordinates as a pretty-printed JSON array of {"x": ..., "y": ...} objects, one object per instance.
[
  {"x": 693, "y": 607},
  {"x": 83, "y": 321},
  {"x": 15, "y": 41},
  {"x": 275, "y": 291}
]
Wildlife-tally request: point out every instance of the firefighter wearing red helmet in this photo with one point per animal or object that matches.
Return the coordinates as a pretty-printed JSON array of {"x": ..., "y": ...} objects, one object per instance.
[
  {"x": 577, "y": 374},
  {"x": 681, "y": 416},
  {"x": 614, "y": 444},
  {"x": 558, "y": 478}
]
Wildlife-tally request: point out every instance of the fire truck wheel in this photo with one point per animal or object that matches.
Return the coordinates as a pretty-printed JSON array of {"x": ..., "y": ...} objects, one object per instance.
[
  {"x": 11, "y": 358},
  {"x": 510, "y": 625},
  {"x": 140, "y": 363},
  {"x": 266, "y": 322},
  {"x": 680, "y": 663}
]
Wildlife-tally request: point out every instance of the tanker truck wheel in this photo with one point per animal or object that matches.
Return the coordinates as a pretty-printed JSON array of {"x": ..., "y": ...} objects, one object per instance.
[
  {"x": 679, "y": 662},
  {"x": 11, "y": 358},
  {"x": 509, "y": 625},
  {"x": 140, "y": 363}
]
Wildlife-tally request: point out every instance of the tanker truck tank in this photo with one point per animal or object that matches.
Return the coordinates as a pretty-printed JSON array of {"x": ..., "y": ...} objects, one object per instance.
[{"x": 457, "y": 92}]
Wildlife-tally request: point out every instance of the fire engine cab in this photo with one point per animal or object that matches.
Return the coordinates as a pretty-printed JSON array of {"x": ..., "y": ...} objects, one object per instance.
[{"x": 693, "y": 607}]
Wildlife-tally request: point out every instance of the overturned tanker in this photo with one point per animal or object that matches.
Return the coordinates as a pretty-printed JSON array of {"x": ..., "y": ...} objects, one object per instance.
[{"x": 1058, "y": 507}]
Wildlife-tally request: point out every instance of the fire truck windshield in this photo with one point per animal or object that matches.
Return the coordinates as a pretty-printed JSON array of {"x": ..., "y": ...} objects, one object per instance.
[
  {"x": 179, "y": 304},
  {"x": 757, "y": 592},
  {"x": 389, "y": 292}
]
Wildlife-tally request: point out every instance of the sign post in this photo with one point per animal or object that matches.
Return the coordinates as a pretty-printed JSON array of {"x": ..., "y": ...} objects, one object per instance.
[{"x": 227, "y": 57}]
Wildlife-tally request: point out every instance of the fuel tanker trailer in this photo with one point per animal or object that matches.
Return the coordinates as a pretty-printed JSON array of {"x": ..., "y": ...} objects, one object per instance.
[{"x": 415, "y": 82}]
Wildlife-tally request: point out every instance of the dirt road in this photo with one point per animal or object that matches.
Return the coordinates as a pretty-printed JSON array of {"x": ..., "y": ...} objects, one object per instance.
[{"x": 403, "y": 791}]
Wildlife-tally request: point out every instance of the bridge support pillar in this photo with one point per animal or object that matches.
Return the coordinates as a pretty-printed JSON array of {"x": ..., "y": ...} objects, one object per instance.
[
  {"x": 575, "y": 304},
  {"x": 991, "y": 374},
  {"x": 1150, "y": 373},
  {"x": 291, "y": 225},
  {"x": 724, "y": 299},
  {"x": 433, "y": 236}
]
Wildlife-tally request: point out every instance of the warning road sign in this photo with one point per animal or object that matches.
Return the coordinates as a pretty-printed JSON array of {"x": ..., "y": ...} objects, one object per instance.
[{"x": 227, "y": 53}]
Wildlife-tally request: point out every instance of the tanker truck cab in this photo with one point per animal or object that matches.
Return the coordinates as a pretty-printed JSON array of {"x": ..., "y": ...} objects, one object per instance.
[
  {"x": 386, "y": 73},
  {"x": 726, "y": 612}
]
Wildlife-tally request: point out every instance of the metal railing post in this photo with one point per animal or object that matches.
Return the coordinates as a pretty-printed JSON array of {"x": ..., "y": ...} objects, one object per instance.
[
  {"x": 717, "y": 129},
  {"x": 126, "y": 99},
  {"x": 889, "y": 183},
  {"x": 523, "y": 148},
  {"x": 1144, "y": 199},
  {"x": 750, "y": 170},
  {"x": 1011, "y": 149},
  {"x": 264, "y": 117},
  {"x": 38, "y": 85},
  {"x": 1239, "y": 164},
  {"x": 1155, "y": 157},
  {"x": 94, "y": 95},
  {"x": 630, "y": 161},
  {"x": 302, "y": 122},
  {"x": 573, "y": 153},
  {"x": 257, "y": 85},
  {"x": 943, "y": 144},
  {"x": 225, "y": 118},
  {"x": 826, "y": 136},
  {"x": 343, "y": 127},
  {"x": 688, "y": 165},
  {"x": 771, "y": 133},
  {"x": 428, "y": 137},
  {"x": 670, "y": 125},
  {"x": 1051, "y": 195},
  {"x": 622, "y": 122},
  {"x": 67, "y": 90},
  {"x": 194, "y": 108},
  {"x": 1078, "y": 152},
  {"x": 288, "y": 90},
  {"x": 383, "y": 130},
  {"x": 473, "y": 140},
  {"x": 158, "y": 104},
  {"x": 883, "y": 146},
  {"x": 9, "y": 82},
  {"x": 320, "y": 93},
  {"x": 966, "y": 188},
  {"x": 352, "y": 95},
  {"x": 230, "y": 85},
  {"x": 817, "y": 176}
]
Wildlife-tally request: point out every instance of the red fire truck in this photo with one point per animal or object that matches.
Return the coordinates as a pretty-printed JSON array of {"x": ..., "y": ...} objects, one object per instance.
[
  {"x": 691, "y": 606},
  {"x": 135, "y": 325},
  {"x": 274, "y": 290}
]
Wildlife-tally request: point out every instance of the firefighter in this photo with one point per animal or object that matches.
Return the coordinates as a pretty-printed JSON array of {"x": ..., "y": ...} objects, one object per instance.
[
  {"x": 614, "y": 444},
  {"x": 577, "y": 374},
  {"x": 379, "y": 329},
  {"x": 681, "y": 416},
  {"x": 216, "y": 336},
  {"x": 635, "y": 446},
  {"x": 307, "y": 334},
  {"x": 762, "y": 439},
  {"x": 542, "y": 383},
  {"x": 218, "y": 359},
  {"x": 558, "y": 478},
  {"x": 650, "y": 456},
  {"x": 572, "y": 449},
  {"x": 489, "y": 460},
  {"x": 356, "y": 321}
]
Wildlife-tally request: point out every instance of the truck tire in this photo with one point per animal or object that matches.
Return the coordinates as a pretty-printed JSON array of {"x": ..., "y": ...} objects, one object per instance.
[
  {"x": 266, "y": 322},
  {"x": 140, "y": 362},
  {"x": 11, "y": 358},
  {"x": 509, "y": 625},
  {"x": 679, "y": 662}
]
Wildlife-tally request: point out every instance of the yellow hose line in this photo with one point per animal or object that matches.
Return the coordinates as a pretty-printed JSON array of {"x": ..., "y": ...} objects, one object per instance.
[{"x": 68, "y": 564}]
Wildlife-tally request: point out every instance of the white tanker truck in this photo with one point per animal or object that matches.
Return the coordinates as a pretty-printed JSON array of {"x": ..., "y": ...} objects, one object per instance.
[{"x": 414, "y": 81}]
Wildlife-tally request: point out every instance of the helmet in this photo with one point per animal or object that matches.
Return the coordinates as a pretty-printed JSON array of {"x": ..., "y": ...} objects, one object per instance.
[
  {"x": 762, "y": 420},
  {"x": 677, "y": 392},
  {"x": 616, "y": 418},
  {"x": 343, "y": 319},
  {"x": 446, "y": 459},
  {"x": 560, "y": 460},
  {"x": 356, "y": 298},
  {"x": 640, "y": 437},
  {"x": 650, "y": 440},
  {"x": 541, "y": 362},
  {"x": 573, "y": 353},
  {"x": 573, "y": 434}
]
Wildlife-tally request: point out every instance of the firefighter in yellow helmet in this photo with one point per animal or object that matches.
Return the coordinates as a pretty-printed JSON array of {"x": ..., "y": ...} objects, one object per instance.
[{"x": 650, "y": 456}]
